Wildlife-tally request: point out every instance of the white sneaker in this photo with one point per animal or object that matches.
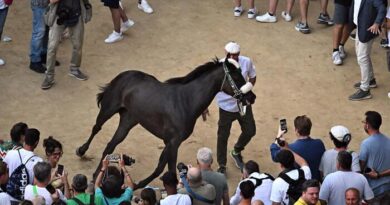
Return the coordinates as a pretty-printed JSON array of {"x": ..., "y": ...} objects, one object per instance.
[
  {"x": 336, "y": 58},
  {"x": 7, "y": 38},
  {"x": 252, "y": 13},
  {"x": 388, "y": 94},
  {"x": 266, "y": 18},
  {"x": 287, "y": 17},
  {"x": 342, "y": 52},
  {"x": 126, "y": 25},
  {"x": 144, "y": 6},
  {"x": 2, "y": 62},
  {"x": 114, "y": 37},
  {"x": 238, "y": 11}
]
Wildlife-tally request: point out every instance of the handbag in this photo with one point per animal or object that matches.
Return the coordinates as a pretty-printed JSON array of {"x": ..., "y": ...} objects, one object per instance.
[{"x": 50, "y": 14}]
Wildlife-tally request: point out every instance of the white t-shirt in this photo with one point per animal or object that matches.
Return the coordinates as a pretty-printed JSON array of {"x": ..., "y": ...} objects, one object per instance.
[
  {"x": 2, "y": 4},
  {"x": 329, "y": 160},
  {"x": 280, "y": 187},
  {"x": 334, "y": 186},
  {"x": 29, "y": 194},
  {"x": 13, "y": 161},
  {"x": 177, "y": 199},
  {"x": 227, "y": 102},
  {"x": 262, "y": 192},
  {"x": 5, "y": 199},
  {"x": 356, "y": 9}
]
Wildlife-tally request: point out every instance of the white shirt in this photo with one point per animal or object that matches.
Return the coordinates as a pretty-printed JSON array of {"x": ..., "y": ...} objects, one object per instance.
[
  {"x": 262, "y": 192},
  {"x": 2, "y": 4},
  {"x": 177, "y": 199},
  {"x": 227, "y": 102},
  {"x": 29, "y": 194},
  {"x": 356, "y": 9},
  {"x": 13, "y": 161},
  {"x": 5, "y": 199},
  {"x": 280, "y": 187},
  {"x": 329, "y": 159}
]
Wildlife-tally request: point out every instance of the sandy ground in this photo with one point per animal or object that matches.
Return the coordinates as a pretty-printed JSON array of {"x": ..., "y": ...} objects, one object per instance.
[{"x": 295, "y": 77}]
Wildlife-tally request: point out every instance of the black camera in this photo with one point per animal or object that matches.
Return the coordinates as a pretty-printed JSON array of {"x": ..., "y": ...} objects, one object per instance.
[
  {"x": 128, "y": 160},
  {"x": 183, "y": 169},
  {"x": 63, "y": 14}
]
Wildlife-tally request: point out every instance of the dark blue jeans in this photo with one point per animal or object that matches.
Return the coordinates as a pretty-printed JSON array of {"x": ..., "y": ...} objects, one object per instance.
[
  {"x": 39, "y": 37},
  {"x": 3, "y": 16}
]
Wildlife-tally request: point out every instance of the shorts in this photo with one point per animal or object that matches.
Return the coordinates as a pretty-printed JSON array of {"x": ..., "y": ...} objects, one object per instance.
[
  {"x": 111, "y": 3},
  {"x": 341, "y": 14}
]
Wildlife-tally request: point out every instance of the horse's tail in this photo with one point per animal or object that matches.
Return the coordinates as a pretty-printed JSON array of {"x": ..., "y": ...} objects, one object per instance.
[{"x": 99, "y": 96}]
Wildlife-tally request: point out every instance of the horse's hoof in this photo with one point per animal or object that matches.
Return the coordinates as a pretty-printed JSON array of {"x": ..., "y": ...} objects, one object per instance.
[{"x": 79, "y": 152}]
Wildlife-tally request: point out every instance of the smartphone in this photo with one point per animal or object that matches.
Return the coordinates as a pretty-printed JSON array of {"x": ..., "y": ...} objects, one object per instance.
[
  {"x": 283, "y": 125},
  {"x": 60, "y": 169},
  {"x": 114, "y": 158},
  {"x": 50, "y": 189}
]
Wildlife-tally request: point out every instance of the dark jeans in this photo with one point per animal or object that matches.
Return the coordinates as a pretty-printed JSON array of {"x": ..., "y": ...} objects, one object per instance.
[
  {"x": 3, "y": 16},
  {"x": 248, "y": 130}
]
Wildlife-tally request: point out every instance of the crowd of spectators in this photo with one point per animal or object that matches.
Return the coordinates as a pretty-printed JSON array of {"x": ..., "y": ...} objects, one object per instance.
[{"x": 343, "y": 176}]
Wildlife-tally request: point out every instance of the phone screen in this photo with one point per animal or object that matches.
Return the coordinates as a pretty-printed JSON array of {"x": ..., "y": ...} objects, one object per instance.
[
  {"x": 283, "y": 124},
  {"x": 60, "y": 169},
  {"x": 50, "y": 189}
]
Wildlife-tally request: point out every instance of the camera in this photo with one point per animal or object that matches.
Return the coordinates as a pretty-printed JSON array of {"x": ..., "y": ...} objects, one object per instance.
[
  {"x": 115, "y": 158},
  {"x": 183, "y": 169}
]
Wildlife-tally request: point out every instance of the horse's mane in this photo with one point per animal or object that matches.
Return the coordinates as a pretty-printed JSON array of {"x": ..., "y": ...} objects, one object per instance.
[{"x": 198, "y": 71}]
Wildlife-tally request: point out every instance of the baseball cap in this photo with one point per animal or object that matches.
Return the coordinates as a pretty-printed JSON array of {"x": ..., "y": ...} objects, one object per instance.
[
  {"x": 339, "y": 132},
  {"x": 232, "y": 47}
]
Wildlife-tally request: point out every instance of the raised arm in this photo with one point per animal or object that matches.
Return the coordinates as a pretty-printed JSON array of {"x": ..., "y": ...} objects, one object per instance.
[
  {"x": 127, "y": 178},
  {"x": 100, "y": 176}
]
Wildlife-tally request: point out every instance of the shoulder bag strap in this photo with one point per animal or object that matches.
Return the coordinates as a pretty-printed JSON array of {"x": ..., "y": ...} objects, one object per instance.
[
  {"x": 77, "y": 201},
  {"x": 195, "y": 195},
  {"x": 92, "y": 199},
  {"x": 105, "y": 200}
]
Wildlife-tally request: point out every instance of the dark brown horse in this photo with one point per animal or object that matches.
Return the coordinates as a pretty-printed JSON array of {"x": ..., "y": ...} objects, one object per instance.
[{"x": 168, "y": 110}]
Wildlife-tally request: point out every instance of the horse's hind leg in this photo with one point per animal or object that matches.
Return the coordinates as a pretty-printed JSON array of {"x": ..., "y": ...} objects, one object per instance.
[
  {"x": 105, "y": 113},
  {"x": 125, "y": 124}
]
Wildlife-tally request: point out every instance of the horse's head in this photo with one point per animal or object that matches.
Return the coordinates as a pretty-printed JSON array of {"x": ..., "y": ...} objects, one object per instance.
[{"x": 234, "y": 83}]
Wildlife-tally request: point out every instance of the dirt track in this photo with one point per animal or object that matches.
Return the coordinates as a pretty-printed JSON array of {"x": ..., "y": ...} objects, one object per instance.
[{"x": 295, "y": 77}]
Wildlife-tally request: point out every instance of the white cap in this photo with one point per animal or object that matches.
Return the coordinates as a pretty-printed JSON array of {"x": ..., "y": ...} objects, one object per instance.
[
  {"x": 339, "y": 132},
  {"x": 232, "y": 47}
]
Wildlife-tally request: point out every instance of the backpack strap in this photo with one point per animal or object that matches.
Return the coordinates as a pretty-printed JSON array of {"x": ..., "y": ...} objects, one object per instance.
[
  {"x": 259, "y": 181},
  {"x": 20, "y": 156},
  {"x": 77, "y": 201},
  {"x": 288, "y": 179},
  {"x": 28, "y": 160},
  {"x": 92, "y": 199}
]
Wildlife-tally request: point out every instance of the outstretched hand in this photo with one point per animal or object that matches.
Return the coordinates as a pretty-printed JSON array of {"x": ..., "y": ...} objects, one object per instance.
[
  {"x": 205, "y": 114},
  {"x": 374, "y": 29}
]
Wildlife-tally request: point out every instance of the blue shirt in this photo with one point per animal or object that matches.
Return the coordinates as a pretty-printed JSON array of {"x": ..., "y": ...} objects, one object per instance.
[
  {"x": 375, "y": 151},
  {"x": 309, "y": 149},
  {"x": 126, "y": 196}
]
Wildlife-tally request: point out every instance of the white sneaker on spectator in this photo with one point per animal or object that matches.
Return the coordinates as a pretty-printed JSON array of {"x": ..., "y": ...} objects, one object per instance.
[
  {"x": 126, "y": 25},
  {"x": 286, "y": 16},
  {"x": 144, "y": 6},
  {"x": 2, "y": 62},
  {"x": 336, "y": 58},
  {"x": 114, "y": 37},
  {"x": 238, "y": 11},
  {"x": 342, "y": 52},
  {"x": 266, "y": 18},
  {"x": 252, "y": 13}
]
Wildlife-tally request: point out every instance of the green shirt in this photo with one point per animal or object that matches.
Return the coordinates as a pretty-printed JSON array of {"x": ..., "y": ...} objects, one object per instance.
[{"x": 83, "y": 197}]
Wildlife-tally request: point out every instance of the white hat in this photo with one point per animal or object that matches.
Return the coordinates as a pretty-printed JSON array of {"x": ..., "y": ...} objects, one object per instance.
[
  {"x": 232, "y": 47},
  {"x": 341, "y": 133}
]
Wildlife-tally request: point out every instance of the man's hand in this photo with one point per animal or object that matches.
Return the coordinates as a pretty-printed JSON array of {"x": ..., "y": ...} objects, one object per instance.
[
  {"x": 373, "y": 174},
  {"x": 374, "y": 29},
  {"x": 280, "y": 132},
  {"x": 122, "y": 162},
  {"x": 205, "y": 114},
  {"x": 105, "y": 163}
]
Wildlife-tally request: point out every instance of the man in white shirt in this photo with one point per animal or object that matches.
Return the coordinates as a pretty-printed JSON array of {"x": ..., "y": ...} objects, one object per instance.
[
  {"x": 229, "y": 112},
  {"x": 170, "y": 182},
  {"x": 335, "y": 184},
  {"x": 4, "y": 197}
]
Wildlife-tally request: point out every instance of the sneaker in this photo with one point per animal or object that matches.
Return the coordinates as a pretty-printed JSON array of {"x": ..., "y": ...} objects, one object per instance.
[
  {"x": 144, "y": 6},
  {"x": 126, "y": 25},
  {"x": 237, "y": 159},
  {"x": 342, "y": 52},
  {"x": 252, "y": 13},
  {"x": 114, "y": 37},
  {"x": 78, "y": 74},
  {"x": 238, "y": 11},
  {"x": 384, "y": 43},
  {"x": 37, "y": 67},
  {"x": 352, "y": 36},
  {"x": 266, "y": 18},
  {"x": 325, "y": 19},
  {"x": 372, "y": 84},
  {"x": 336, "y": 58},
  {"x": 222, "y": 169},
  {"x": 388, "y": 94},
  {"x": 360, "y": 95},
  {"x": 286, "y": 16},
  {"x": 7, "y": 39},
  {"x": 2, "y": 62},
  {"x": 48, "y": 82},
  {"x": 302, "y": 27}
]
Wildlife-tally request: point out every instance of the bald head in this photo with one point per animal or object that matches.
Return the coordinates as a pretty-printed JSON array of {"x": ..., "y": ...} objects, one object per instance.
[{"x": 194, "y": 175}]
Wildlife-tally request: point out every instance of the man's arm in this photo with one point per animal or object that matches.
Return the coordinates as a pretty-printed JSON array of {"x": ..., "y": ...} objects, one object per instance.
[
  {"x": 252, "y": 80},
  {"x": 362, "y": 165},
  {"x": 381, "y": 8},
  {"x": 225, "y": 198}
]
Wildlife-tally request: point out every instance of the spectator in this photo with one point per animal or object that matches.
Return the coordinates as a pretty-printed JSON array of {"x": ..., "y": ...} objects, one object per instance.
[
  {"x": 310, "y": 193},
  {"x": 270, "y": 16},
  {"x": 261, "y": 181},
  {"x": 117, "y": 14},
  {"x": 110, "y": 188},
  {"x": 310, "y": 149},
  {"x": 148, "y": 197},
  {"x": 335, "y": 184},
  {"x": 367, "y": 17},
  {"x": 198, "y": 188},
  {"x": 218, "y": 180},
  {"x": 4, "y": 197},
  {"x": 302, "y": 25},
  {"x": 75, "y": 23},
  {"x": 229, "y": 112},
  {"x": 53, "y": 150},
  {"x": 340, "y": 137},
  {"x": 25, "y": 155},
  {"x": 352, "y": 196},
  {"x": 280, "y": 187},
  {"x": 247, "y": 192},
  {"x": 3, "y": 16},
  {"x": 238, "y": 9},
  {"x": 17, "y": 138},
  {"x": 79, "y": 185},
  {"x": 42, "y": 178},
  {"x": 375, "y": 154},
  {"x": 170, "y": 182},
  {"x": 341, "y": 30}
]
